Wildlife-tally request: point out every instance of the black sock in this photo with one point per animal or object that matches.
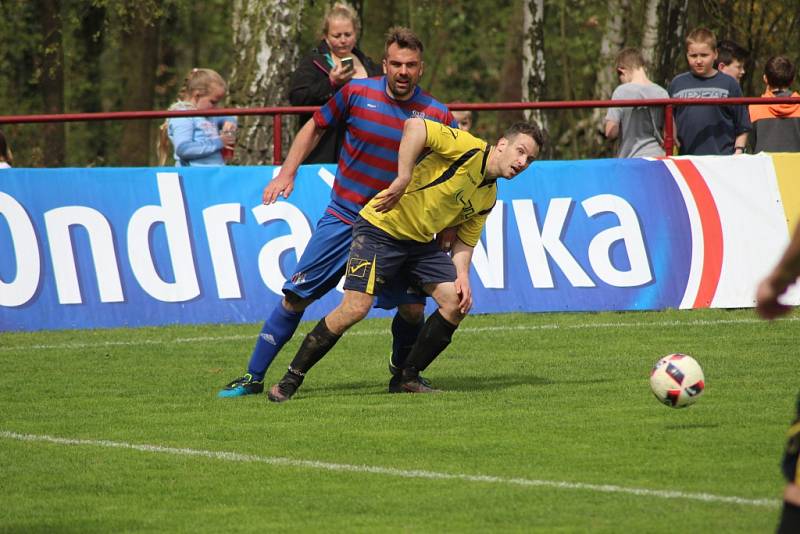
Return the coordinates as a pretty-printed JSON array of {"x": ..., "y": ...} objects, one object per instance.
[
  {"x": 404, "y": 334},
  {"x": 315, "y": 345},
  {"x": 790, "y": 519},
  {"x": 434, "y": 338}
]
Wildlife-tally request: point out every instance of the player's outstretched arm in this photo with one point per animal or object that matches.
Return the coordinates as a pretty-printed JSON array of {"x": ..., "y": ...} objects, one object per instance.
[
  {"x": 304, "y": 142},
  {"x": 782, "y": 276},
  {"x": 415, "y": 135}
]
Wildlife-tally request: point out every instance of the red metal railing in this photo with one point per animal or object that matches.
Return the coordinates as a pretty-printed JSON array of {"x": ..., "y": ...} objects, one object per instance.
[{"x": 277, "y": 113}]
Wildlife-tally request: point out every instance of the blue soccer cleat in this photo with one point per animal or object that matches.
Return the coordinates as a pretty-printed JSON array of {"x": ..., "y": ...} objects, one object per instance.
[{"x": 244, "y": 385}]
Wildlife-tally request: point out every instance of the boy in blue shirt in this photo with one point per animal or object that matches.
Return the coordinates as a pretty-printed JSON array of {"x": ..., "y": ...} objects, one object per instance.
[{"x": 712, "y": 129}]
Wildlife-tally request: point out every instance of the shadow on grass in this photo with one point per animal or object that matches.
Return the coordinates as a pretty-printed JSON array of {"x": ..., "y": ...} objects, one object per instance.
[{"x": 447, "y": 383}]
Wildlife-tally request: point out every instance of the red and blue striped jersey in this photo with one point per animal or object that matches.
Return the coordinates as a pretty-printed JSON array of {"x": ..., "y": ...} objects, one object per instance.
[{"x": 374, "y": 121}]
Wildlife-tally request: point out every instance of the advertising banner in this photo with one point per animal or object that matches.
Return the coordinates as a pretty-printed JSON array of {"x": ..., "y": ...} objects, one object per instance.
[{"x": 87, "y": 248}]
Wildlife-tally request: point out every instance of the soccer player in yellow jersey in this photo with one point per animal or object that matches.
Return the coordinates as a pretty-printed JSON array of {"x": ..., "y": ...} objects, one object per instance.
[{"x": 445, "y": 177}]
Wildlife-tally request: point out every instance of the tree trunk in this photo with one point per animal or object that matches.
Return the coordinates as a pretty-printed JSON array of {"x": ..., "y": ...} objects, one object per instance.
[
  {"x": 511, "y": 74},
  {"x": 265, "y": 37},
  {"x": 671, "y": 32},
  {"x": 138, "y": 65},
  {"x": 610, "y": 45},
  {"x": 51, "y": 81},
  {"x": 650, "y": 36},
  {"x": 91, "y": 38},
  {"x": 533, "y": 61}
]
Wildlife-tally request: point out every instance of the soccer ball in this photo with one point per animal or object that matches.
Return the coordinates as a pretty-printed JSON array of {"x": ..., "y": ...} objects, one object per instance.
[{"x": 677, "y": 380}]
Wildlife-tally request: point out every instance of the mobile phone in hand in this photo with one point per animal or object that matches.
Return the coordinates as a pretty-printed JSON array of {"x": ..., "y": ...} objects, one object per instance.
[{"x": 347, "y": 63}]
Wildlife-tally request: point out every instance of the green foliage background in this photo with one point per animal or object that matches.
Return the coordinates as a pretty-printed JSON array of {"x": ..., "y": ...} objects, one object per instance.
[{"x": 473, "y": 54}]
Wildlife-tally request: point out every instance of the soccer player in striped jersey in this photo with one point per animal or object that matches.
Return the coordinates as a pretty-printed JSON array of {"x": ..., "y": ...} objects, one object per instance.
[
  {"x": 373, "y": 111},
  {"x": 452, "y": 183}
]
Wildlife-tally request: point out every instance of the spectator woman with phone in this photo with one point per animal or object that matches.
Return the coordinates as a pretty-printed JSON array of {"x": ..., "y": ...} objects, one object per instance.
[{"x": 331, "y": 64}]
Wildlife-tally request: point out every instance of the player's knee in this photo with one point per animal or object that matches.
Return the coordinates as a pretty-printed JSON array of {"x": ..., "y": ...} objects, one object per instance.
[
  {"x": 356, "y": 308},
  {"x": 351, "y": 310},
  {"x": 453, "y": 316},
  {"x": 412, "y": 313},
  {"x": 791, "y": 493},
  {"x": 449, "y": 303},
  {"x": 450, "y": 310},
  {"x": 295, "y": 303}
]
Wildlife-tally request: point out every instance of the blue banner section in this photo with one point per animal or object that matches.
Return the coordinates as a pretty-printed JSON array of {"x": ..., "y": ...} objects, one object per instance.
[
  {"x": 592, "y": 235},
  {"x": 85, "y": 248}
]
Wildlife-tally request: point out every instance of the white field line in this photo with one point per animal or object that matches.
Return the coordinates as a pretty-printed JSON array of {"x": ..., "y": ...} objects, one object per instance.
[
  {"x": 385, "y": 332},
  {"x": 389, "y": 471}
]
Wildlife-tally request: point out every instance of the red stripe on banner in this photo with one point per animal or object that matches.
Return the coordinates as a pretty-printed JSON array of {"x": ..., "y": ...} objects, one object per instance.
[{"x": 712, "y": 232}]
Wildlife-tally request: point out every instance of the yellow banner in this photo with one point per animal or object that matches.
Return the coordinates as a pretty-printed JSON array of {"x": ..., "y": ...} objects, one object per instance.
[{"x": 787, "y": 169}]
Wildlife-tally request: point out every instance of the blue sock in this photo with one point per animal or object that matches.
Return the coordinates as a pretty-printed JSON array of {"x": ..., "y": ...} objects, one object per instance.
[
  {"x": 404, "y": 334},
  {"x": 277, "y": 330}
]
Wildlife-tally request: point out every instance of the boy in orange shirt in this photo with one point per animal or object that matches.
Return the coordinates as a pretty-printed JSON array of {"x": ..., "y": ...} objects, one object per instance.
[{"x": 776, "y": 127}]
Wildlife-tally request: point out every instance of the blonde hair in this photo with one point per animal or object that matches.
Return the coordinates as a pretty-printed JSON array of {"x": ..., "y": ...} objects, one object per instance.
[
  {"x": 702, "y": 36},
  {"x": 341, "y": 10},
  {"x": 197, "y": 81}
]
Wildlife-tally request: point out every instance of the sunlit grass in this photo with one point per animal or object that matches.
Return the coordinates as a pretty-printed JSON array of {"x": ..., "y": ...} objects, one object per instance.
[{"x": 543, "y": 397}]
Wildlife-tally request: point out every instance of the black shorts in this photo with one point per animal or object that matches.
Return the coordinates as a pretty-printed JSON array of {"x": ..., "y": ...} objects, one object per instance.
[
  {"x": 377, "y": 258},
  {"x": 789, "y": 464}
]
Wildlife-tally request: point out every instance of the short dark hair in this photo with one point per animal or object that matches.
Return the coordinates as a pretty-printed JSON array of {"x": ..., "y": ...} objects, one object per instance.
[
  {"x": 728, "y": 51},
  {"x": 779, "y": 72},
  {"x": 402, "y": 37},
  {"x": 630, "y": 58},
  {"x": 527, "y": 128}
]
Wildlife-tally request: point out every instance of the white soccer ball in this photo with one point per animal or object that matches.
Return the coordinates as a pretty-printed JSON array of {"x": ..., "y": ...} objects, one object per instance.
[{"x": 677, "y": 380}]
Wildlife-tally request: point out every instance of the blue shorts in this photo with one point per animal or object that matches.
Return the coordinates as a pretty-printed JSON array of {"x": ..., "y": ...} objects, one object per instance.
[
  {"x": 377, "y": 259},
  {"x": 323, "y": 262}
]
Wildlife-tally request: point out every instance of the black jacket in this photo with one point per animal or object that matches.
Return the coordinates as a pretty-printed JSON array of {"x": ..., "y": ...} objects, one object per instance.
[{"x": 310, "y": 86}]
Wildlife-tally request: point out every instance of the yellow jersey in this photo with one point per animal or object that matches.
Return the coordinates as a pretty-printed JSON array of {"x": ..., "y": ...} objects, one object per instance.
[{"x": 447, "y": 188}]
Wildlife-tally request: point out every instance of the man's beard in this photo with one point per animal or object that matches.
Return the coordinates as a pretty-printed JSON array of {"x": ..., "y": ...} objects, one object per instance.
[{"x": 401, "y": 93}]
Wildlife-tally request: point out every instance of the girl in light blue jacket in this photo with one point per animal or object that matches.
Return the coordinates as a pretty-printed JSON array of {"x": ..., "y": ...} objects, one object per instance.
[{"x": 198, "y": 140}]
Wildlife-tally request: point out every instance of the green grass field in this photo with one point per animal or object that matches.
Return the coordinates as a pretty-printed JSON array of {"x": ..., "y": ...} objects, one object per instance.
[{"x": 547, "y": 425}]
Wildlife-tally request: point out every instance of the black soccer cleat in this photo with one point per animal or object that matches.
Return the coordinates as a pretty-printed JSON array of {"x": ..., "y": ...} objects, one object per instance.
[
  {"x": 396, "y": 373},
  {"x": 283, "y": 390},
  {"x": 394, "y": 383},
  {"x": 409, "y": 381}
]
